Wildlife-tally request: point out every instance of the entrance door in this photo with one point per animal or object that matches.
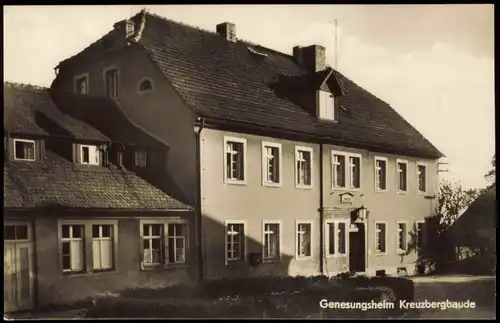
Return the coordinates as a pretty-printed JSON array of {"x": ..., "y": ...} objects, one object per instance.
[
  {"x": 18, "y": 267},
  {"x": 357, "y": 249}
]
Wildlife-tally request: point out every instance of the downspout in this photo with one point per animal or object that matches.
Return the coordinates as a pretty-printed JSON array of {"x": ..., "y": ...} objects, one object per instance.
[
  {"x": 199, "y": 213},
  {"x": 321, "y": 212}
]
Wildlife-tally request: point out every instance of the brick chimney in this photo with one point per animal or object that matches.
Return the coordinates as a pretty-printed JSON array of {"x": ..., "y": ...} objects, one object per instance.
[
  {"x": 312, "y": 58},
  {"x": 227, "y": 30}
]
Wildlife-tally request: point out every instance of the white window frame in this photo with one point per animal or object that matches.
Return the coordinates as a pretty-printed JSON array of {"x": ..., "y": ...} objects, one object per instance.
[
  {"x": 28, "y": 141},
  {"x": 138, "y": 160},
  {"x": 164, "y": 236},
  {"x": 347, "y": 170},
  {"x": 265, "y": 166},
  {"x": 117, "y": 89},
  {"x": 280, "y": 240},
  {"x": 100, "y": 240},
  {"x": 243, "y": 141},
  {"x": 297, "y": 223},
  {"x": 419, "y": 192},
  {"x": 75, "y": 83},
  {"x": 378, "y": 252},
  {"x": 94, "y": 155},
  {"x": 418, "y": 247},
  {"x": 139, "y": 92},
  {"x": 244, "y": 242},
  {"x": 325, "y": 97},
  {"x": 398, "y": 250},
  {"x": 88, "y": 266},
  {"x": 336, "y": 253},
  {"x": 375, "y": 167},
  {"x": 402, "y": 161},
  {"x": 310, "y": 150}
]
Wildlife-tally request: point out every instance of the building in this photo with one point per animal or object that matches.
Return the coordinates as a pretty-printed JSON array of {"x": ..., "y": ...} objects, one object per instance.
[
  {"x": 473, "y": 235},
  {"x": 80, "y": 216},
  {"x": 292, "y": 167}
]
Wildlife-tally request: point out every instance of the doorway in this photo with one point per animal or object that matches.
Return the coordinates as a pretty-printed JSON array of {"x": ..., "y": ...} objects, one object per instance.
[
  {"x": 18, "y": 267},
  {"x": 357, "y": 249}
]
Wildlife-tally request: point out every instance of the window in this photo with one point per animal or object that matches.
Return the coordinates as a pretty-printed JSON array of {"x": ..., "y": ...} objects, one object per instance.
[
  {"x": 73, "y": 257},
  {"x": 163, "y": 242},
  {"x": 111, "y": 82},
  {"x": 140, "y": 158},
  {"x": 402, "y": 237},
  {"x": 271, "y": 164},
  {"x": 304, "y": 239},
  {"x": 89, "y": 155},
  {"x": 24, "y": 149},
  {"x": 326, "y": 107},
  {"x": 336, "y": 238},
  {"x": 102, "y": 246},
  {"x": 380, "y": 173},
  {"x": 146, "y": 85},
  {"x": 82, "y": 84},
  {"x": 422, "y": 173},
  {"x": 402, "y": 175},
  {"x": 234, "y": 161},
  {"x": 346, "y": 177},
  {"x": 303, "y": 161},
  {"x": 235, "y": 241},
  {"x": 15, "y": 232},
  {"x": 420, "y": 234},
  {"x": 272, "y": 241},
  {"x": 380, "y": 236}
]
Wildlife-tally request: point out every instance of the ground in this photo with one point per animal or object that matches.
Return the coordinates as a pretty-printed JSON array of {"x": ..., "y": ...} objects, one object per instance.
[{"x": 481, "y": 290}]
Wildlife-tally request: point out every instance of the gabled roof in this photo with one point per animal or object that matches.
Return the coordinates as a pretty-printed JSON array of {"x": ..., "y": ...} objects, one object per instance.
[
  {"x": 223, "y": 80},
  {"x": 57, "y": 182},
  {"x": 29, "y": 110}
]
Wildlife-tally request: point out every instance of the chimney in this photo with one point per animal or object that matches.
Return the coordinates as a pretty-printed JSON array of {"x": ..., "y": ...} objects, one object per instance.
[
  {"x": 312, "y": 58},
  {"x": 227, "y": 30},
  {"x": 125, "y": 27}
]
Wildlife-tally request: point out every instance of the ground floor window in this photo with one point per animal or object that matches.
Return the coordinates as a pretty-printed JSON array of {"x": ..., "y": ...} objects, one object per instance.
[
  {"x": 164, "y": 242},
  {"x": 235, "y": 241}
]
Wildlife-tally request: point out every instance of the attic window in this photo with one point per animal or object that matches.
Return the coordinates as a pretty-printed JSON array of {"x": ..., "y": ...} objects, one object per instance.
[
  {"x": 145, "y": 86},
  {"x": 89, "y": 155},
  {"x": 326, "y": 106},
  {"x": 253, "y": 51},
  {"x": 24, "y": 149},
  {"x": 140, "y": 158}
]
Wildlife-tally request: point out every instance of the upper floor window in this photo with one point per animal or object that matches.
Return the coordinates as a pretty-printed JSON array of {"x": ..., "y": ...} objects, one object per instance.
[
  {"x": 24, "y": 149},
  {"x": 82, "y": 84},
  {"x": 380, "y": 173},
  {"x": 89, "y": 155},
  {"x": 346, "y": 170},
  {"x": 145, "y": 85},
  {"x": 402, "y": 175},
  {"x": 326, "y": 105},
  {"x": 235, "y": 160},
  {"x": 271, "y": 164},
  {"x": 303, "y": 160},
  {"x": 111, "y": 82},
  {"x": 422, "y": 177},
  {"x": 140, "y": 158}
]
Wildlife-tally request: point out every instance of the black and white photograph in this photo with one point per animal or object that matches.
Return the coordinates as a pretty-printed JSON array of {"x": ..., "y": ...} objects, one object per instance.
[{"x": 242, "y": 161}]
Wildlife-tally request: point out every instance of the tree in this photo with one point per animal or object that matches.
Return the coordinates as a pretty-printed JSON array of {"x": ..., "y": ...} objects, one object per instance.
[{"x": 491, "y": 175}]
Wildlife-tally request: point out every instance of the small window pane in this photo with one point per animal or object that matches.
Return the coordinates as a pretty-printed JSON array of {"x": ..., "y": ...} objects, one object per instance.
[
  {"x": 77, "y": 231},
  {"x": 9, "y": 232},
  {"x": 65, "y": 231}
]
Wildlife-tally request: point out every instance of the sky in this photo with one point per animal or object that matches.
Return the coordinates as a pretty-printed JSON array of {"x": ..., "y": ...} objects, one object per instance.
[{"x": 434, "y": 64}]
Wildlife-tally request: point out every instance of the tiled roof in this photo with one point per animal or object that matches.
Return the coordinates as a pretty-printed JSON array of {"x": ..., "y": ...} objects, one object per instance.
[
  {"x": 62, "y": 184},
  {"x": 29, "y": 110},
  {"x": 57, "y": 181},
  {"x": 224, "y": 80}
]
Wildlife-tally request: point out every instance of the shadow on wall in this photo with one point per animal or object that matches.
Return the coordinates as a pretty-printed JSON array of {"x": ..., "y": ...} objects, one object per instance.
[
  {"x": 215, "y": 264},
  {"x": 60, "y": 144}
]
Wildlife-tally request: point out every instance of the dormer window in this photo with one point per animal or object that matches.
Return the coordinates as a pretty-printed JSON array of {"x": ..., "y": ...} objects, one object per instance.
[
  {"x": 24, "y": 149},
  {"x": 326, "y": 105},
  {"x": 89, "y": 155},
  {"x": 140, "y": 158}
]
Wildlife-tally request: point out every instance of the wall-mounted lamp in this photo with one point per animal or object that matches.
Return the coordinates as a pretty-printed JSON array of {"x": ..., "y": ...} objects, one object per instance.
[{"x": 359, "y": 214}]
